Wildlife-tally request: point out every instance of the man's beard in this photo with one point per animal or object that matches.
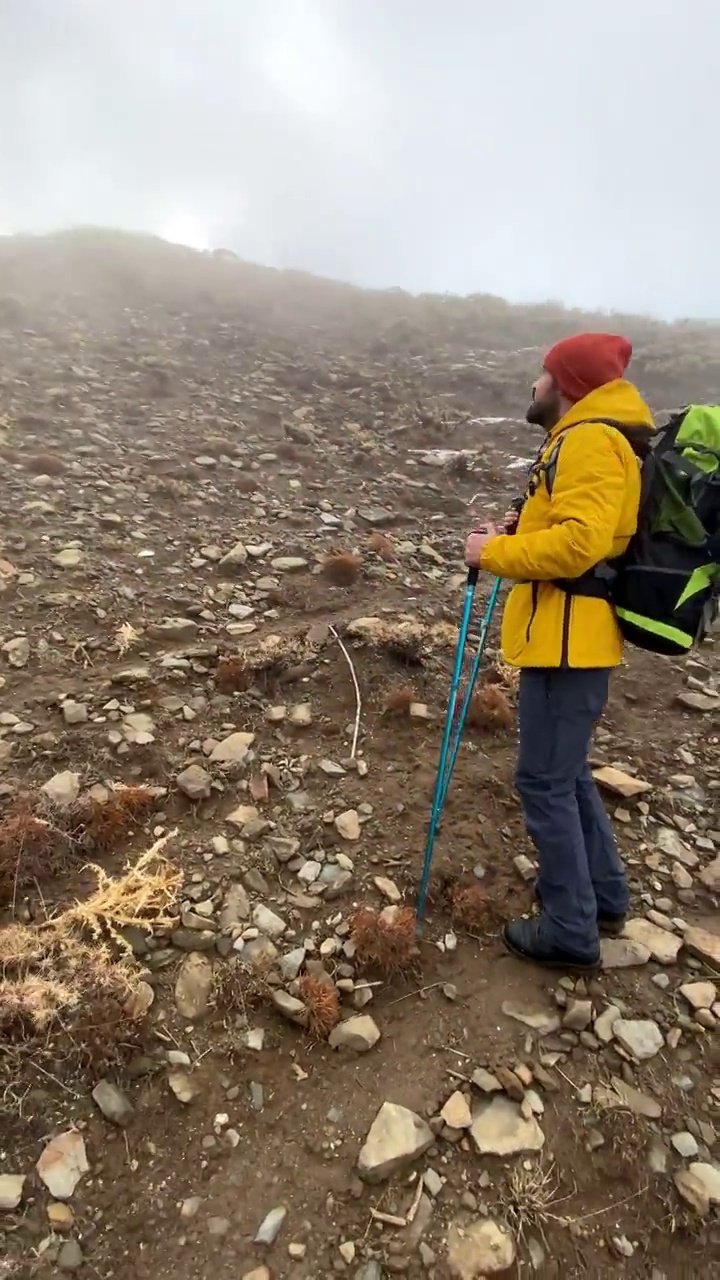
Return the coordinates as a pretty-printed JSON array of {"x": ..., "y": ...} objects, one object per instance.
[{"x": 546, "y": 411}]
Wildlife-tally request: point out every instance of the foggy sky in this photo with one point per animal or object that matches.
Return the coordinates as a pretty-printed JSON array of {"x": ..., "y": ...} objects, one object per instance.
[{"x": 554, "y": 149}]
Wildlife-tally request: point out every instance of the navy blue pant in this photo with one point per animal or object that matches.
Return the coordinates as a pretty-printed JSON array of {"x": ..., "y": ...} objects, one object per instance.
[{"x": 581, "y": 873}]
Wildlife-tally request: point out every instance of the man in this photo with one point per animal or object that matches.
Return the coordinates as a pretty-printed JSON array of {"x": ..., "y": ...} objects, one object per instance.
[{"x": 580, "y": 511}]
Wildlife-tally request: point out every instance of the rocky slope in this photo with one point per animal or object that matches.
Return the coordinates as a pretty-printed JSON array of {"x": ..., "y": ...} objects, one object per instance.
[{"x": 234, "y": 507}]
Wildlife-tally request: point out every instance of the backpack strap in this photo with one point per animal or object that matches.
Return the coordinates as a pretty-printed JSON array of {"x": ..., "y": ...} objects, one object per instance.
[{"x": 637, "y": 437}]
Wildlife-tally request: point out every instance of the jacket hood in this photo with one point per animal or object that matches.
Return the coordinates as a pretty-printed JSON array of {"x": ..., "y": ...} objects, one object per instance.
[{"x": 618, "y": 403}]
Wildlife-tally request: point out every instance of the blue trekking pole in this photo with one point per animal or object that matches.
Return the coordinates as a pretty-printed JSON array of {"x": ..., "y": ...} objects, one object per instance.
[
  {"x": 440, "y": 788},
  {"x": 481, "y": 641}
]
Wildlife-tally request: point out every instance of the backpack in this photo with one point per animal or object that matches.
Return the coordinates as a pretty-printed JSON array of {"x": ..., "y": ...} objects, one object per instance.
[{"x": 665, "y": 588}]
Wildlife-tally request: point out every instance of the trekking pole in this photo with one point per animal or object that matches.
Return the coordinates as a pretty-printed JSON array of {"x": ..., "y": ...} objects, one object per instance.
[
  {"x": 440, "y": 787},
  {"x": 480, "y": 643}
]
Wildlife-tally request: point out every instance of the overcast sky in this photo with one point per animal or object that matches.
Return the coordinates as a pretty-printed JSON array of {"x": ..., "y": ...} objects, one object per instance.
[{"x": 552, "y": 149}]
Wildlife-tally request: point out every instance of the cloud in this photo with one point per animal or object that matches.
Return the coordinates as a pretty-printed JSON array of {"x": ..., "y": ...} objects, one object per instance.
[{"x": 555, "y": 151}]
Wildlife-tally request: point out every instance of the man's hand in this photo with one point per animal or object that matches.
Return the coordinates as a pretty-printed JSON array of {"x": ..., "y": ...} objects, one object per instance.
[
  {"x": 510, "y": 520},
  {"x": 476, "y": 543}
]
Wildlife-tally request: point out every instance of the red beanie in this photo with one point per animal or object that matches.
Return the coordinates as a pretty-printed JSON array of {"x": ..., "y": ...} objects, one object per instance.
[{"x": 580, "y": 364}]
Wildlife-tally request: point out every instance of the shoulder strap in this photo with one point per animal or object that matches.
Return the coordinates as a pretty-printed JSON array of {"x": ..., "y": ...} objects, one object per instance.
[{"x": 637, "y": 437}]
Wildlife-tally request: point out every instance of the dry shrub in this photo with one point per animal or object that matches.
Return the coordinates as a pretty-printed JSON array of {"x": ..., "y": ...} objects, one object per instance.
[
  {"x": 166, "y": 487},
  {"x": 384, "y": 940},
  {"x": 147, "y": 890},
  {"x": 472, "y": 908},
  {"x": 322, "y": 1003},
  {"x": 44, "y": 464},
  {"x": 232, "y": 674},
  {"x": 288, "y": 450},
  {"x": 406, "y": 639},
  {"x": 244, "y": 482},
  {"x": 399, "y": 701},
  {"x": 490, "y": 711},
  {"x": 105, "y": 824},
  {"x": 31, "y": 846},
  {"x": 382, "y": 547},
  {"x": 341, "y": 568},
  {"x": 66, "y": 991}
]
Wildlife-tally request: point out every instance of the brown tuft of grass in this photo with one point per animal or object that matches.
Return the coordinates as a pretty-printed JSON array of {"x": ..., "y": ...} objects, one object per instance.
[
  {"x": 472, "y": 908},
  {"x": 232, "y": 674},
  {"x": 31, "y": 846},
  {"x": 382, "y": 547},
  {"x": 341, "y": 568},
  {"x": 490, "y": 711},
  {"x": 44, "y": 464},
  {"x": 531, "y": 1197},
  {"x": 288, "y": 450},
  {"x": 384, "y": 940},
  {"x": 322, "y": 1003},
  {"x": 106, "y": 824},
  {"x": 399, "y": 701},
  {"x": 244, "y": 482}
]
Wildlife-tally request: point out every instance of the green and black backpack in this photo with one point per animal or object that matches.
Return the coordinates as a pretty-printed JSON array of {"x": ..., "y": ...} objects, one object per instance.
[{"x": 665, "y": 588}]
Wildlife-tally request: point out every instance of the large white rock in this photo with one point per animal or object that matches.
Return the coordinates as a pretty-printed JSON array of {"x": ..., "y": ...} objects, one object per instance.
[
  {"x": 499, "y": 1129},
  {"x": 484, "y": 1248},
  {"x": 397, "y": 1137},
  {"x": 662, "y": 945},
  {"x": 62, "y": 1164},
  {"x": 699, "y": 1184},
  {"x": 641, "y": 1037}
]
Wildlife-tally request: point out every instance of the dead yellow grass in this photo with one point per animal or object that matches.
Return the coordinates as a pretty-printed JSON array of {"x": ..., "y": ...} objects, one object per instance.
[{"x": 69, "y": 986}]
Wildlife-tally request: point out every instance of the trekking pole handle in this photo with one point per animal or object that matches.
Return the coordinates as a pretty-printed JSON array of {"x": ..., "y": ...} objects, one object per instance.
[{"x": 472, "y": 577}]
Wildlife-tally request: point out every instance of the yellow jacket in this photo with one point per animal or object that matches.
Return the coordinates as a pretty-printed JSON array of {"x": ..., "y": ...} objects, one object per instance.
[{"x": 591, "y": 517}]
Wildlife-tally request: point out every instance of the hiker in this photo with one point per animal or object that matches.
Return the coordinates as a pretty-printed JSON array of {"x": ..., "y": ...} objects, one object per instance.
[{"x": 561, "y": 630}]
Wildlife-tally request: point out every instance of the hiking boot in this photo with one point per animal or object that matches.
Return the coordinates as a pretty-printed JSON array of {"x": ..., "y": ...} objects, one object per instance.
[
  {"x": 524, "y": 939},
  {"x": 609, "y": 925}
]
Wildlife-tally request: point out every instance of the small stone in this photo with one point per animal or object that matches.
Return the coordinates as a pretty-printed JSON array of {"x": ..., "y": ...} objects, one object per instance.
[
  {"x": 243, "y": 815},
  {"x": 289, "y": 564},
  {"x": 190, "y": 1208},
  {"x": 387, "y": 888},
  {"x": 484, "y": 1248},
  {"x": 486, "y": 1081},
  {"x": 62, "y": 1164},
  {"x": 640, "y": 1037},
  {"x": 272, "y": 925},
  {"x": 500, "y": 1129},
  {"x": 456, "y": 1111},
  {"x": 621, "y": 784},
  {"x": 70, "y": 1256},
  {"x": 269, "y": 1229},
  {"x": 396, "y": 1138},
  {"x": 194, "y": 782},
  {"x": 218, "y": 1226},
  {"x": 74, "y": 712},
  {"x": 685, "y": 1145},
  {"x": 115, "y": 1106},
  {"x": 233, "y": 749},
  {"x": 605, "y": 1022},
  {"x": 11, "y": 1191},
  {"x": 359, "y": 1033},
  {"x": 63, "y": 788},
  {"x": 542, "y": 1021},
  {"x": 69, "y": 558},
  {"x": 699, "y": 1185},
  {"x": 347, "y": 825},
  {"x": 17, "y": 651},
  {"x": 433, "y": 1183},
  {"x": 700, "y": 995},
  {"x": 525, "y": 868},
  {"x": 235, "y": 908},
  {"x": 182, "y": 1086},
  {"x": 710, "y": 876},
  {"x": 705, "y": 945},
  {"x": 60, "y": 1216},
  {"x": 193, "y": 986},
  {"x": 578, "y": 1015},
  {"x": 235, "y": 557},
  {"x": 289, "y": 1006},
  {"x": 301, "y": 715}
]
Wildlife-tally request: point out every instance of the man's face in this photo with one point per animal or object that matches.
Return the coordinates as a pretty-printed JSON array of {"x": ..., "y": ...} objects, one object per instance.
[{"x": 545, "y": 409}]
